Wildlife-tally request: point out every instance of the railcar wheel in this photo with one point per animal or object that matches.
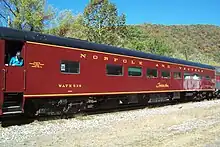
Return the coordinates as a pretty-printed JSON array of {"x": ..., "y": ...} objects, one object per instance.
[
  {"x": 30, "y": 109},
  {"x": 143, "y": 99}
]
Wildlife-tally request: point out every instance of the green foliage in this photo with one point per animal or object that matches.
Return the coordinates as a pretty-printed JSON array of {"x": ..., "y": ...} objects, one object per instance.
[
  {"x": 135, "y": 39},
  {"x": 198, "y": 43},
  {"x": 103, "y": 24},
  {"x": 138, "y": 40},
  {"x": 159, "y": 47},
  {"x": 27, "y": 14},
  {"x": 67, "y": 25},
  {"x": 62, "y": 23}
]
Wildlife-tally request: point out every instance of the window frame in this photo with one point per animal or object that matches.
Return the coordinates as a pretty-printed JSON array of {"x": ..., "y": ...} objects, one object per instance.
[
  {"x": 165, "y": 71},
  {"x": 189, "y": 74},
  {"x": 152, "y": 69},
  {"x": 181, "y": 76},
  {"x": 208, "y": 79},
  {"x": 122, "y": 69},
  {"x": 70, "y": 72},
  {"x": 200, "y": 76},
  {"x": 135, "y": 67}
]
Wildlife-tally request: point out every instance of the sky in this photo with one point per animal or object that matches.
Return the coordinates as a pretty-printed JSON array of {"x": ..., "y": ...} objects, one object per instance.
[{"x": 167, "y": 12}]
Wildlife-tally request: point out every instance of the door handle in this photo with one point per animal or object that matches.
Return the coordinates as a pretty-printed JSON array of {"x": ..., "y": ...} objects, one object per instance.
[{"x": 4, "y": 79}]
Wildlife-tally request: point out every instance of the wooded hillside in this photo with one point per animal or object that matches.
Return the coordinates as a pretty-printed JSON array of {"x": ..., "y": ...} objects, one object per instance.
[{"x": 200, "y": 43}]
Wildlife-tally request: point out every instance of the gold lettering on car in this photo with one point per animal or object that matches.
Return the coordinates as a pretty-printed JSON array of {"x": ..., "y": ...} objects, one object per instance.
[
  {"x": 125, "y": 61},
  {"x": 82, "y": 55},
  {"x": 105, "y": 58},
  {"x": 36, "y": 65},
  {"x": 95, "y": 57},
  {"x": 115, "y": 59},
  {"x": 69, "y": 85},
  {"x": 159, "y": 85},
  {"x": 132, "y": 62}
]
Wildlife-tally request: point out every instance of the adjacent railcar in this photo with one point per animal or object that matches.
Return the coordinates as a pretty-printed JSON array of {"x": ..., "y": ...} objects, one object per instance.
[
  {"x": 66, "y": 75},
  {"x": 217, "y": 74}
]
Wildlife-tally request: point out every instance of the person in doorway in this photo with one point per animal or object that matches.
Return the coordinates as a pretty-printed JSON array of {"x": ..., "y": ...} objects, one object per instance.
[{"x": 17, "y": 60}]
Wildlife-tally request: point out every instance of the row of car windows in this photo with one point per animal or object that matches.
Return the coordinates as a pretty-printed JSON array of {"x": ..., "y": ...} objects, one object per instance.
[{"x": 117, "y": 70}]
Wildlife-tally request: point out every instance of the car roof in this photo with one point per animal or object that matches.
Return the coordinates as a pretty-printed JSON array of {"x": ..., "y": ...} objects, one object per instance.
[{"x": 9, "y": 33}]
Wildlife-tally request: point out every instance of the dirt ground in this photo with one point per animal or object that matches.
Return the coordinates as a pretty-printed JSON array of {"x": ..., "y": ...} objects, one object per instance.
[{"x": 182, "y": 125}]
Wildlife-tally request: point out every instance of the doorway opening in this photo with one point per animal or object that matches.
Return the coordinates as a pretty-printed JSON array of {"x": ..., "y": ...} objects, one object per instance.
[{"x": 12, "y": 47}]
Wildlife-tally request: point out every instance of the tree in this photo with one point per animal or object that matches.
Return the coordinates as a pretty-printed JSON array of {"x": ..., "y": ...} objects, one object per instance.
[
  {"x": 103, "y": 23},
  {"x": 157, "y": 46},
  {"x": 26, "y": 14},
  {"x": 66, "y": 24},
  {"x": 136, "y": 39}
]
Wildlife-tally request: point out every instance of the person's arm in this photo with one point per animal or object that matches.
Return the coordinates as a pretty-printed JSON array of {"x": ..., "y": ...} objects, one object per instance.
[
  {"x": 11, "y": 61},
  {"x": 20, "y": 63}
]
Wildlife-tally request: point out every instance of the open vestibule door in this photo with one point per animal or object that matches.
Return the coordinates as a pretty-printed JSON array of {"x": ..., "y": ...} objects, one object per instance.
[
  {"x": 15, "y": 75},
  {"x": 13, "y": 78}
]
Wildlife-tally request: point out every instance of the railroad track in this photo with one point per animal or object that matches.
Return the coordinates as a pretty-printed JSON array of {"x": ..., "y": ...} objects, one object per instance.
[{"x": 22, "y": 120}]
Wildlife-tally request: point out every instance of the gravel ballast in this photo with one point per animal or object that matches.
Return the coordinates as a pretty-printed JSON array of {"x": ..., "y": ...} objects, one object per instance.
[{"x": 189, "y": 124}]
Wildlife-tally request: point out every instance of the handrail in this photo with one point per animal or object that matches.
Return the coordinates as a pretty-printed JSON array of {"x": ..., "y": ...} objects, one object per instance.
[
  {"x": 24, "y": 79},
  {"x": 4, "y": 79}
]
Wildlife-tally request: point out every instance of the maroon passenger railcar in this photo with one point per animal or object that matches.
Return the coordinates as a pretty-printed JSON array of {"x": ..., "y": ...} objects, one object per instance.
[{"x": 69, "y": 75}]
